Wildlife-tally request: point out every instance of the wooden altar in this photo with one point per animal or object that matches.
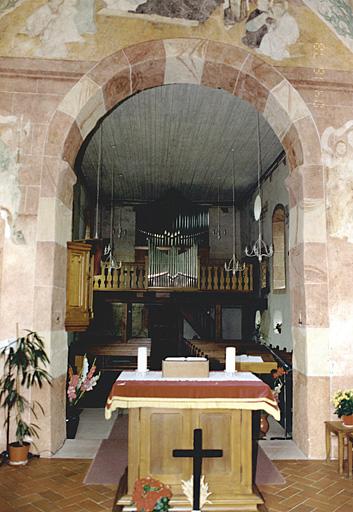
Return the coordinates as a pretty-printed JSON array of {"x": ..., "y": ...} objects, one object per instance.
[{"x": 162, "y": 416}]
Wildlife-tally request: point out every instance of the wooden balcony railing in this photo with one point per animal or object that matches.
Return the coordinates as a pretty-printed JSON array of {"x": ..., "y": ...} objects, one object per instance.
[
  {"x": 133, "y": 276},
  {"x": 215, "y": 278}
]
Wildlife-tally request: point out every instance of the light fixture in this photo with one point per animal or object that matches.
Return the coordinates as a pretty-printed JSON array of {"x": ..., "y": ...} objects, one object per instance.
[
  {"x": 119, "y": 231},
  {"x": 259, "y": 249},
  {"x": 234, "y": 264},
  {"x": 218, "y": 232},
  {"x": 99, "y": 171},
  {"x": 112, "y": 262}
]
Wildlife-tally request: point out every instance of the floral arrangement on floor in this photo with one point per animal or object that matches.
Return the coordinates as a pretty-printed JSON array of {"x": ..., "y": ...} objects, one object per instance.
[
  {"x": 151, "y": 495},
  {"x": 81, "y": 382},
  {"x": 188, "y": 489},
  {"x": 343, "y": 402}
]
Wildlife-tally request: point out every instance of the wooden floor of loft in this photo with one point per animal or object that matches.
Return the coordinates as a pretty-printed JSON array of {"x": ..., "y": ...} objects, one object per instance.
[{"x": 55, "y": 485}]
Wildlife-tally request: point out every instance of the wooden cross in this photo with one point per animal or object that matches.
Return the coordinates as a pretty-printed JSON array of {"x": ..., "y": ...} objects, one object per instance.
[{"x": 197, "y": 455}]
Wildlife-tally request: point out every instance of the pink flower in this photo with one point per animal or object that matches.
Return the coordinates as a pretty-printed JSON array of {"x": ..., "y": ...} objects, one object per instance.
[
  {"x": 74, "y": 381},
  {"x": 91, "y": 372},
  {"x": 84, "y": 381},
  {"x": 86, "y": 385},
  {"x": 71, "y": 392}
]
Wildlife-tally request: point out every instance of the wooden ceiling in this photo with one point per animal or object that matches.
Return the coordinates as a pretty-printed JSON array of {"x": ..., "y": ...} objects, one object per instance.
[{"x": 178, "y": 137}]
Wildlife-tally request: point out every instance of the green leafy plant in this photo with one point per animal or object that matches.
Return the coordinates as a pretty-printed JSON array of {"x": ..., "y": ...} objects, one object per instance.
[
  {"x": 343, "y": 402},
  {"x": 24, "y": 367}
]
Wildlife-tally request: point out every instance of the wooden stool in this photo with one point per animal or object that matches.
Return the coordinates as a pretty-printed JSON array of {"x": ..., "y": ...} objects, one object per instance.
[{"x": 337, "y": 428}]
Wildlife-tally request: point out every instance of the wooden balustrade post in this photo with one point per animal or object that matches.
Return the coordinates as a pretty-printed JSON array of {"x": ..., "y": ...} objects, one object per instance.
[
  {"x": 203, "y": 285},
  {"x": 227, "y": 281},
  {"x": 246, "y": 279},
  {"x": 109, "y": 278},
  {"x": 209, "y": 278}
]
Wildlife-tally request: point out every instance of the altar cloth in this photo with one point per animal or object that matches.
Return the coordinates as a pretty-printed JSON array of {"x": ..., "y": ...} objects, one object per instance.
[{"x": 221, "y": 390}]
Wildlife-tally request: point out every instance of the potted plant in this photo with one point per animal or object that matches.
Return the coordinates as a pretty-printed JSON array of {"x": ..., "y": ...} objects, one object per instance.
[
  {"x": 24, "y": 367},
  {"x": 78, "y": 384},
  {"x": 343, "y": 403}
]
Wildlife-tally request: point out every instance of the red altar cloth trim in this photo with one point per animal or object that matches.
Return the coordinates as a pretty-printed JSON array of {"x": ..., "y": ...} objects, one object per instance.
[
  {"x": 253, "y": 395},
  {"x": 191, "y": 389}
]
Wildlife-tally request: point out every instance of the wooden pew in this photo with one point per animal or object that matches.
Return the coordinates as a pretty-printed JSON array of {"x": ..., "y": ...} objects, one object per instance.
[
  {"x": 215, "y": 351},
  {"x": 115, "y": 356}
]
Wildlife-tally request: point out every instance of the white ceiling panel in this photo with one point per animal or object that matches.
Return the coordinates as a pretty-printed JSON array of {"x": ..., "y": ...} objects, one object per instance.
[{"x": 179, "y": 136}]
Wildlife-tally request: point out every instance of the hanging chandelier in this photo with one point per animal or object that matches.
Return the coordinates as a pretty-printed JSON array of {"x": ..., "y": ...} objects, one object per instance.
[
  {"x": 99, "y": 171},
  {"x": 218, "y": 232},
  {"x": 120, "y": 232},
  {"x": 110, "y": 248},
  {"x": 259, "y": 249},
  {"x": 234, "y": 264}
]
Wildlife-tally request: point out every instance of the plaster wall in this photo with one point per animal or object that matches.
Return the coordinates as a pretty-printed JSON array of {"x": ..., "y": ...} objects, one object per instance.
[
  {"x": 274, "y": 192},
  {"x": 320, "y": 296},
  {"x": 33, "y": 269}
]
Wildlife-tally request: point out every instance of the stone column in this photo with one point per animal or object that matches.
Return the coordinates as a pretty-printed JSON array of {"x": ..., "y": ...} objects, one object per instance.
[
  {"x": 337, "y": 146},
  {"x": 308, "y": 279},
  {"x": 53, "y": 231}
]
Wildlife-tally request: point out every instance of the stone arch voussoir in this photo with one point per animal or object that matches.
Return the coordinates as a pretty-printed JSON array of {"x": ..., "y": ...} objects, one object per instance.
[
  {"x": 239, "y": 72},
  {"x": 186, "y": 60}
]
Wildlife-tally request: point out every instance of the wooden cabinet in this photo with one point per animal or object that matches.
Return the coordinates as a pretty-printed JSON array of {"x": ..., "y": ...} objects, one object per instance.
[{"x": 79, "y": 286}]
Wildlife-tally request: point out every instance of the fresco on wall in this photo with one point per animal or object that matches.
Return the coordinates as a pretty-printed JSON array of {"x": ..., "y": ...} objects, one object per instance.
[
  {"x": 182, "y": 12},
  {"x": 338, "y": 15},
  {"x": 236, "y": 11},
  {"x": 270, "y": 29},
  {"x": 8, "y": 5},
  {"x": 185, "y": 9},
  {"x": 12, "y": 134},
  {"x": 59, "y": 22},
  {"x": 337, "y": 149},
  {"x": 282, "y": 33}
]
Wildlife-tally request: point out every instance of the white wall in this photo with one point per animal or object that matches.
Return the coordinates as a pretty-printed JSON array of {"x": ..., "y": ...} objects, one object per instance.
[
  {"x": 223, "y": 248},
  {"x": 274, "y": 192}
]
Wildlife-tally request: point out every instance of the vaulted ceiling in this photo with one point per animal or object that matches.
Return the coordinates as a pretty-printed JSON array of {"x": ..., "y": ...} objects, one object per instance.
[{"x": 178, "y": 137}]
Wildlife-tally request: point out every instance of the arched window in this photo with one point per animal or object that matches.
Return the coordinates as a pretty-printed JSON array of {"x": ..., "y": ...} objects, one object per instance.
[{"x": 279, "y": 246}]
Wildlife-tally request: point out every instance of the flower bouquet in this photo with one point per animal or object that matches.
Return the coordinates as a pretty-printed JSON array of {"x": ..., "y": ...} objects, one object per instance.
[
  {"x": 78, "y": 384},
  {"x": 151, "y": 495},
  {"x": 343, "y": 403}
]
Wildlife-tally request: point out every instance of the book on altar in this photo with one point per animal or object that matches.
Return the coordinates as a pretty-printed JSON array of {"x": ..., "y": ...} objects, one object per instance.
[
  {"x": 244, "y": 358},
  {"x": 185, "y": 367}
]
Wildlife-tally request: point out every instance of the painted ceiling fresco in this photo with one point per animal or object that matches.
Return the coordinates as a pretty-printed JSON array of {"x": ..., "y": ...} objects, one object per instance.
[{"x": 284, "y": 33}]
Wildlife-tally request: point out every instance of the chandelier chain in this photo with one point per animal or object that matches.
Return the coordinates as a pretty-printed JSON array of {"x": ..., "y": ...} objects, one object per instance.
[
  {"x": 234, "y": 264},
  {"x": 259, "y": 249}
]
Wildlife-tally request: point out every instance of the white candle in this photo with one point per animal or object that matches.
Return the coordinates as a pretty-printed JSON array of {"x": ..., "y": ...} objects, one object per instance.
[
  {"x": 230, "y": 359},
  {"x": 142, "y": 359}
]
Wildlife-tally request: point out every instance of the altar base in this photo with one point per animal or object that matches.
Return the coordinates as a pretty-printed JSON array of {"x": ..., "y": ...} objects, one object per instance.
[{"x": 155, "y": 432}]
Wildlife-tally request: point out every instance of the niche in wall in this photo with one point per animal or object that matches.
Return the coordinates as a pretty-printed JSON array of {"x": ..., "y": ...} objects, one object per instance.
[{"x": 279, "y": 249}]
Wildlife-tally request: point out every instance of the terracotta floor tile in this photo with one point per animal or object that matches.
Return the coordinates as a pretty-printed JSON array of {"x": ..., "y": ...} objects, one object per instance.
[
  {"x": 56, "y": 485},
  {"x": 345, "y": 508},
  {"x": 319, "y": 506},
  {"x": 303, "y": 508}
]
